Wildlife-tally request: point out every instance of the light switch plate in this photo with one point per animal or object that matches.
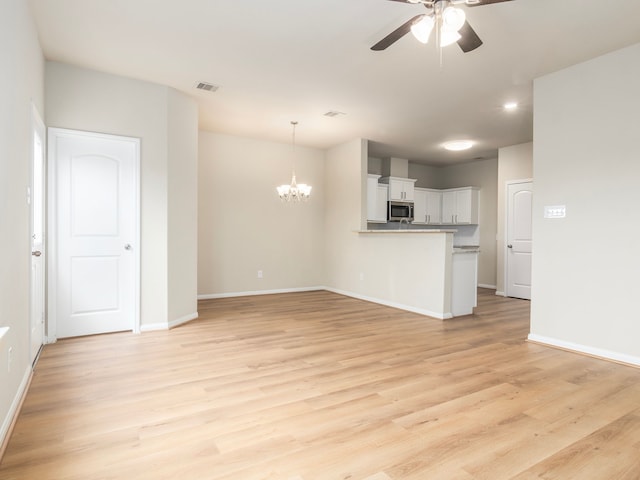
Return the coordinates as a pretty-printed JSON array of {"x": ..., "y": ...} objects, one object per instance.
[{"x": 555, "y": 211}]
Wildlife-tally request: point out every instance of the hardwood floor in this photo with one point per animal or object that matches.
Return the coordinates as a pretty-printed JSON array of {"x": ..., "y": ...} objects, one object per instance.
[{"x": 319, "y": 386}]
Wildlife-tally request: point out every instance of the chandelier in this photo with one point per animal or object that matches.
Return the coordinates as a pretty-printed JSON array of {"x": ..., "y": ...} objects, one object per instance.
[
  {"x": 446, "y": 19},
  {"x": 294, "y": 192}
]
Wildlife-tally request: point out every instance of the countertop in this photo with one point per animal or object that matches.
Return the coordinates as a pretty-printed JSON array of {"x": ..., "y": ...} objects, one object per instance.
[
  {"x": 466, "y": 249},
  {"x": 415, "y": 230}
]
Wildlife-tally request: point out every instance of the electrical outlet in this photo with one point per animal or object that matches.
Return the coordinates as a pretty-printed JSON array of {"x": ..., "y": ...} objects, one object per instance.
[
  {"x": 259, "y": 273},
  {"x": 9, "y": 359},
  {"x": 361, "y": 276}
]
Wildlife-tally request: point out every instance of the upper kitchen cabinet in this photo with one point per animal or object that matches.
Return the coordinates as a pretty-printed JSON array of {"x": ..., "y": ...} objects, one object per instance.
[
  {"x": 460, "y": 206},
  {"x": 427, "y": 206},
  {"x": 400, "y": 189},
  {"x": 376, "y": 200}
]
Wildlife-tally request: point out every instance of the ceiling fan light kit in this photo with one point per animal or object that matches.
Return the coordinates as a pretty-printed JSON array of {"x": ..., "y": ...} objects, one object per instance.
[{"x": 449, "y": 21}]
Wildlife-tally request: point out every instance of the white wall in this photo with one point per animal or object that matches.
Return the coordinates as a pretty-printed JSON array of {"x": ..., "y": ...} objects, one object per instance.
[
  {"x": 82, "y": 99},
  {"x": 243, "y": 226},
  {"x": 426, "y": 176},
  {"x": 483, "y": 174},
  {"x": 586, "y": 281},
  {"x": 514, "y": 163},
  {"x": 182, "y": 225},
  {"x": 21, "y": 82}
]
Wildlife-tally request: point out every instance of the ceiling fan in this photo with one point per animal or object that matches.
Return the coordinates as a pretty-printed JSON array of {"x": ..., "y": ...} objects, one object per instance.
[{"x": 449, "y": 22}]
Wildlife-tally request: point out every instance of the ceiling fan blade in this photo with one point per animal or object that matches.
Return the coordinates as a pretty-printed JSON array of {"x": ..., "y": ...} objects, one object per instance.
[
  {"x": 469, "y": 38},
  {"x": 479, "y": 3},
  {"x": 397, "y": 34}
]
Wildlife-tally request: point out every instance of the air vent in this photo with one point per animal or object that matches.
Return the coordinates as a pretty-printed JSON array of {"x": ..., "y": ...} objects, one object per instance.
[
  {"x": 333, "y": 113},
  {"x": 207, "y": 87}
]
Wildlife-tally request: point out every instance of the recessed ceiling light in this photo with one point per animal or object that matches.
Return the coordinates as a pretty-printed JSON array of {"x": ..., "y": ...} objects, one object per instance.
[
  {"x": 510, "y": 106},
  {"x": 458, "y": 145}
]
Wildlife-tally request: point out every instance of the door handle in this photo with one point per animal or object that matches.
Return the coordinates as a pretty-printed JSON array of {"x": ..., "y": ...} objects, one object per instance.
[
  {"x": 127, "y": 246},
  {"x": 36, "y": 253},
  {"x": 509, "y": 246}
]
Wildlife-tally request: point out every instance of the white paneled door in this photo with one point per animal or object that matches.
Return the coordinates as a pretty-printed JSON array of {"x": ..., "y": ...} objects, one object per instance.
[
  {"x": 36, "y": 200},
  {"x": 519, "y": 239},
  {"x": 95, "y": 194}
]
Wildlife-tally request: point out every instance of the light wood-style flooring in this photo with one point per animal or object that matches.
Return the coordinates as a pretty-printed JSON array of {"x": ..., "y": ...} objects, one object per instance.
[{"x": 315, "y": 385}]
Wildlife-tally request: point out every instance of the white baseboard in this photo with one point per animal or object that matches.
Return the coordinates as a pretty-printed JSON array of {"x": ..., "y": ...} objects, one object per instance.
[
  {"x": 151, "y": 327},
  {"x": 211, "y": 296},
  {"x": 591, "y": 351},
  {"x": 400, "y": 306},
  {"x": 184, "y": 319},
  {"x": 500, "y": 294},
  {"x": 490, "y": 287},
  {"x": 15, "y": 406}
]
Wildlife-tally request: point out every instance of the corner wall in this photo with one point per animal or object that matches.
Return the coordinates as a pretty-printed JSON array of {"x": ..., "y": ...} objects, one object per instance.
[
  {"x": 21, "y": 83},
  {"x": 585, "y": 266},
  {"x": 182, "y": 214}
]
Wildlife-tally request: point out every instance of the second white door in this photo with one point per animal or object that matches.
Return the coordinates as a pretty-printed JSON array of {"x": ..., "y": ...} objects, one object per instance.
[
  {"x": 519, "y": 239},
  {"x": 95, "y": 195}
]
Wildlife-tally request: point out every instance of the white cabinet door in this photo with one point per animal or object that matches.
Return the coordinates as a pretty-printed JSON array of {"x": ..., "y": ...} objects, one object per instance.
[
  {"x": 376, "y": 200},
  {"x": 463, "y": 206},
  {"x": 400, "y": 189},
  {"x": 449, "y": 208},
  {"x": 460, "y": 206},
  {"x": 381, "y": 203},
  {"x": 420, "y": 206},
  {"x": 409, "y": 190},
  {"x": 426, "y": 206},
  {"x": 395, "y": 190},
  {"x": 372, "y": 192},
  {"x": 434, "y": 207}
]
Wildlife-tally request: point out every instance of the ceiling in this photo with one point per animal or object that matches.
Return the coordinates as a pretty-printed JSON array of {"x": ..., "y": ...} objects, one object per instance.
[{"x": 281, "y": 60}]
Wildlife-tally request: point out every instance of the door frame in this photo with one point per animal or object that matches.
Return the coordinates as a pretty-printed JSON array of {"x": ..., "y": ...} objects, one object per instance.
[
  {"x": 506, "y": 227},
  {"x": 52, "y": 221},
  {"x": 37, "y": 124}
]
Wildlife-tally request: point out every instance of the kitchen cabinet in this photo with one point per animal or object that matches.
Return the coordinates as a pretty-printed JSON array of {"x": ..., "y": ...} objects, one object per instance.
[
  {"x": 460, "y": 206},
  {"x": 400, "y": 189},
  {"x": 464, "y": 282},
  {"x": 427, "y": 205},
  {"x": 376, "y": 200}
]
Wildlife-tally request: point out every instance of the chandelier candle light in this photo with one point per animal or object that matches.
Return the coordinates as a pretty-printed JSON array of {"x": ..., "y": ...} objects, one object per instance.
[{"x": 294, "y": 192}]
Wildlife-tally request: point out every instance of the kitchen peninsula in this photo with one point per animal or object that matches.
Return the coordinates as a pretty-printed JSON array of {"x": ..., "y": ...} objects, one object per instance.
[{"x": 422, "y": 271}]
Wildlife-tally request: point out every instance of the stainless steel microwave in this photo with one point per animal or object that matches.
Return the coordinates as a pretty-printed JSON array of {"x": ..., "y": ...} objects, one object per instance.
[{"x": 396, "y": 211}]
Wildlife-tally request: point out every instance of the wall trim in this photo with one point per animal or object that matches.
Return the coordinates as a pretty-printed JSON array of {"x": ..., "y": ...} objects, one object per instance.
[
  {"x": 400, "y": 306},
  {"x": 183, "y": 319},
  {"x": 484, "y": 285},
  {"x": 154, "y": 327},
  {"x": 14, "y": 410},
  {"x": 211, "y": 296},
  {"x": 586, "y": 350},
  {"x": 500, "y": 294}
]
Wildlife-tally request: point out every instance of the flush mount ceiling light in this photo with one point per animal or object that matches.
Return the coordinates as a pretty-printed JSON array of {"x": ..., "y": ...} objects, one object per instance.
[
  {"x": 458, "y": 145},
  {"x": 294, "y": 192},
  {"x": 510, "y": 106}
]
